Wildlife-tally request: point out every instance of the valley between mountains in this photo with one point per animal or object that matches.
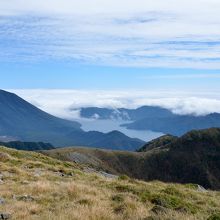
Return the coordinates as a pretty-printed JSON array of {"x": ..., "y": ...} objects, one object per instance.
[{"x": 51, "y": 169}]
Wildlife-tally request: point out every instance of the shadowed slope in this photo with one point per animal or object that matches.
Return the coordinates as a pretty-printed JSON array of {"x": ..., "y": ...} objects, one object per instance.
[
  {"x": 192, "y": 158},
  {"x": 24, "y": 121}
]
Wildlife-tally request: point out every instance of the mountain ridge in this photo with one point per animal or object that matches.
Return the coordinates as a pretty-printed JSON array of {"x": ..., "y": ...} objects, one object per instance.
[
  {"x": 192, "y": 158},
  {"x": 176, "y": 125},
  {"x": 154, "y": 118},
  {"x": 25, "y": 122},
  {"x": 124, "y": 113}
]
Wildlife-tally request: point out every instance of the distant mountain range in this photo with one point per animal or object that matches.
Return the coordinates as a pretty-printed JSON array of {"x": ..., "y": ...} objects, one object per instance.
[
  {"x": 154, "y": 118},
  {"x": 19, "y": 120},
  {"x": 124, "y": 114},
  {"x": 176, "y": 125},
  {"x": 192, "y": 158},
  {"x": 29, "y": 146}
]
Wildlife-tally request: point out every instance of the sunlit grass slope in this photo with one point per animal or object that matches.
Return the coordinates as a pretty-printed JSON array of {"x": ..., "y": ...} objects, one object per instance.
[{"x": 34, "y": 186}]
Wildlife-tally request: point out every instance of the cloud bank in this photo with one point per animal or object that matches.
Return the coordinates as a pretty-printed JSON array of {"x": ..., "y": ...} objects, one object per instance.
[
  {"x": 153, "y": 33},
  {"x": 60, "y": 102}
]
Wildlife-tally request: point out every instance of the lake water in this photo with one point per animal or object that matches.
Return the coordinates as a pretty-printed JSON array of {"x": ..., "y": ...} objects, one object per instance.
[{"x": 110, "y": 125}]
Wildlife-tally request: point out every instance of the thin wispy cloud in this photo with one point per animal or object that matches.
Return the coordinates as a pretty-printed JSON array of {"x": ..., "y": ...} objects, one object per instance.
[
  {"x": 182, "y": 76},
  {"x": 116, "y": 33}
]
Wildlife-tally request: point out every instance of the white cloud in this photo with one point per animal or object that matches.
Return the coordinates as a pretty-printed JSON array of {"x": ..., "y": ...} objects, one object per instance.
[
  {"x": 108, "y": 6},
  {"x": 59, "y": 102},
  {"x": 183, "y": 76},
  {"x": 154, "y": 33}
]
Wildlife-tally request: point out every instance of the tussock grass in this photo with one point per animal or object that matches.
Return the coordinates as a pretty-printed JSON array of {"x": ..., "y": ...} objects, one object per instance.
[{"x": 54, "y": 190}]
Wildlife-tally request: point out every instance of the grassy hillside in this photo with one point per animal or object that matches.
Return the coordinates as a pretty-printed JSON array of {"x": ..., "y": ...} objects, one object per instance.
[
  {"x": 192, "y": 158},
  {"x": 34, "y": 186},
  {"x": 116, "y": 162}
]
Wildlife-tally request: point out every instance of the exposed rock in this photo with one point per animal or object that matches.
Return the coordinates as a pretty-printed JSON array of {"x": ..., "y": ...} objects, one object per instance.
[
  {"x": 2, "y": 201},
  {"x": 201, "y": 188},
  {"x": 7, "y": 174},
  {"x": 25, "y": 182},
  {"x": 64, "y": 174},
  {"x": 181, "y": 209},
  {"x": 158, "y": 209},
  {"x": 1, "y": 178},
  {"x": 107, "y": 175},
  {"x": 25, "y": 198},
  {"x": 4, "y": 157},
  {"x": 38, "y": 172},
  {"x": 82, "y": 158},
  {"x": 5, "y": 216},
  {"x": 89, "y": 170},
  {"x": 101, "y": 173}
]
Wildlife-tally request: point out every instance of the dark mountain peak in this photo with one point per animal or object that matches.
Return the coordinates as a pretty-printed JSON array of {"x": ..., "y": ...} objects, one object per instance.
[
  {"x": 115, "y": 133},
  {"x": 22, "y": 120},
  {"x": 206, "y": 141},
  {"x": 162, "y": 141},
  {"x": 214, "y": 114},
  {"x": 195, "y": 140},
  {"x": 5, "y": 92},
  {"x": 148, "y": 107},
  {"x": 200, "y": 134}
]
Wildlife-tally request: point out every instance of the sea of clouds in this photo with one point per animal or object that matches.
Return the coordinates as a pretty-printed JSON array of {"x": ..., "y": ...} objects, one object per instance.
[{"x": 66, "y": 103}]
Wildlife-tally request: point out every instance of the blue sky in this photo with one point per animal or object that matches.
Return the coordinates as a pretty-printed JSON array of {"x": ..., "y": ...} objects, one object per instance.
[
  {"x": 67, "y": 75},
  {"x": 109, "y": 44},
  {"x": 123, "y": 47},
  {"x": 106, "y": 40}
]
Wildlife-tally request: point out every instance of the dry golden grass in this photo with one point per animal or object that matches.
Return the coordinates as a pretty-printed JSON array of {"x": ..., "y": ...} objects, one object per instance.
[{"x": 38, "y": 187}]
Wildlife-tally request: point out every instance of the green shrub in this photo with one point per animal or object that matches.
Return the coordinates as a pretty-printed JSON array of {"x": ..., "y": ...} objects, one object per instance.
[
  {"x": 173, "y": 202},
  {"x": 172, "y": 191},
  {"x": 123, "y": 177},
  {"x": 85, "y": 202},
  {"x": 125, "y": 188},
  {"x": 145, "y": 196},
  {"x": 118, "y": 198},
  {"x": 215, "y": 216},
  {"x": 191, "y": 186},
  {"x": 119, "y": 209}
]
